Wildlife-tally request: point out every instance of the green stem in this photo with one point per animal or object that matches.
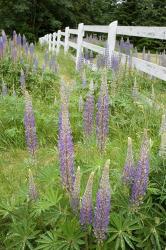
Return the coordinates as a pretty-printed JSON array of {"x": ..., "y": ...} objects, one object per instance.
[{"x": 86, "y": 242}]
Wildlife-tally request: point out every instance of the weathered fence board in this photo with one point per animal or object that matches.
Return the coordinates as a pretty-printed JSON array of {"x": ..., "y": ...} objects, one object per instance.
[
  {"x": 150, "y": 32},
  {"x": 93, "y": 47},
  {"x": 96, "y": 28}
]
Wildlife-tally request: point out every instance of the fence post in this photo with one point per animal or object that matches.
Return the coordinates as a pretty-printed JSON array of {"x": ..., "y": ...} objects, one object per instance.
[
  {"x": 112, "y": 37},
  {"x": 79, "y": 42},
  {"x": 66, "y": 46},
  {"x": 54, "y": 41},
  {"x": 58, "y": 41},
  {"x": 49, "y": 42}
]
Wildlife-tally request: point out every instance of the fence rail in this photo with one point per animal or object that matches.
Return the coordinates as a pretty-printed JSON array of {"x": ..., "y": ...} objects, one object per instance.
[{"x": 54, "y": 42}]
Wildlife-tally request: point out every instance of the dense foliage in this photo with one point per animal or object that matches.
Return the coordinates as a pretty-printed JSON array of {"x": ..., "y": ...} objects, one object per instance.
[{"x": 36, "y": 211}]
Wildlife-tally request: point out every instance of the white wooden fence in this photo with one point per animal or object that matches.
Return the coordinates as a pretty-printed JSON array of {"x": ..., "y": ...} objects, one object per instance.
[{"x": 54, "y": 42}]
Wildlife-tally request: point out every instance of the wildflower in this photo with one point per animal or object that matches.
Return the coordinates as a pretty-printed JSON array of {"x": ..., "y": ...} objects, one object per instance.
[
  {"x": 140, "y": 182},
  {"x": 65, "y": 145},
  {"x": 86, "y": 211},
  {"x": 103, "y": 205},
  {"x": 128, "y": 172},
  {"x": 114, "y": 63},
  {"x": 29, "y": 123},
  {"x": 88, "y": 115},
  {"x": 102, "y": 116},
  {"x": 75, "y": 195},
  {"x": 22, "y": 79},
  {"x": 33, "y": 195}
]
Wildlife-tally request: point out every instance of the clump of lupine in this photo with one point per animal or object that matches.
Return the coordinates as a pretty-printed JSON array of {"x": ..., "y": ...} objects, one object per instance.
[
  {"x": 29, "y": 123},
  {"x": 86, "y": 211},
  {"x": 75, "y": 195},
  {"x": 88, "y": 115},
  {"x": 102, "y": 116},
  {"x": 65, "y": 144},
  {"x": 141, "y": 175},
  {"x": 129, "y": 169},
  {"x": 103, "y": 205},
  {"x": 32, "y": 192}
]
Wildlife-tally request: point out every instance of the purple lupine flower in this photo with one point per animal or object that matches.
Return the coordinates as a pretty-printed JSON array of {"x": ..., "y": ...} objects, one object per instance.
[
  {"x": 14, "y": 54},
  {"x": 129, "y": 170},
  {"x": 91, "y": 58},
  {"x": 14, "y": 38},
  {"x": 1, "y": 48},
  {"x": 26, "y": 48},
  {"x": 100, "y": 61},
  {"x": 35, "y": 64},
  {"x": 122, "y": 44},
  {"x": 114, "y": 63},
  {"x": 80, "y": 62},
  {"x": 107, "y": 56},
  {"x": 75, "y": 195},
  {"x": 65, "y": 145},
  {"x": 31, "y": 49},
  {"x": 46, "y": 57},
  {"x": 22, "y": 79},
  {"x": 86, "y": 55},
  {"x": 32, "y": 192},
  {"x": 88, "y": 115},
  {"x": 102, "y": 116},
  {"x": 140, "y": 182},
  {"x": 86, "y": 211},
  {"x": 103, "y": 205},
  {"x": 19, "y": 40},
  {"x": 24, "y": 41},
  {"x": 29, "y": 123}
]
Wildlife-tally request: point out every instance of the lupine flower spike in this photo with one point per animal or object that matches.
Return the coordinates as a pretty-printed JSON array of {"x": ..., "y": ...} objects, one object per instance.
[
  {"x": 129, "y": 170},
  {"x": 102, "y": 116},
  {"x": 103, "y": 205},
  {"x": 65, "y": 144},
  {"x": 88, "y": 116},
  {"x": 140, "y": 182},
  {"x": 75, "y": 196},
  {"x": 33, "y": 195},
  {"x": 86, "y": 211},
  {"x": 29, "y": 123}
]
